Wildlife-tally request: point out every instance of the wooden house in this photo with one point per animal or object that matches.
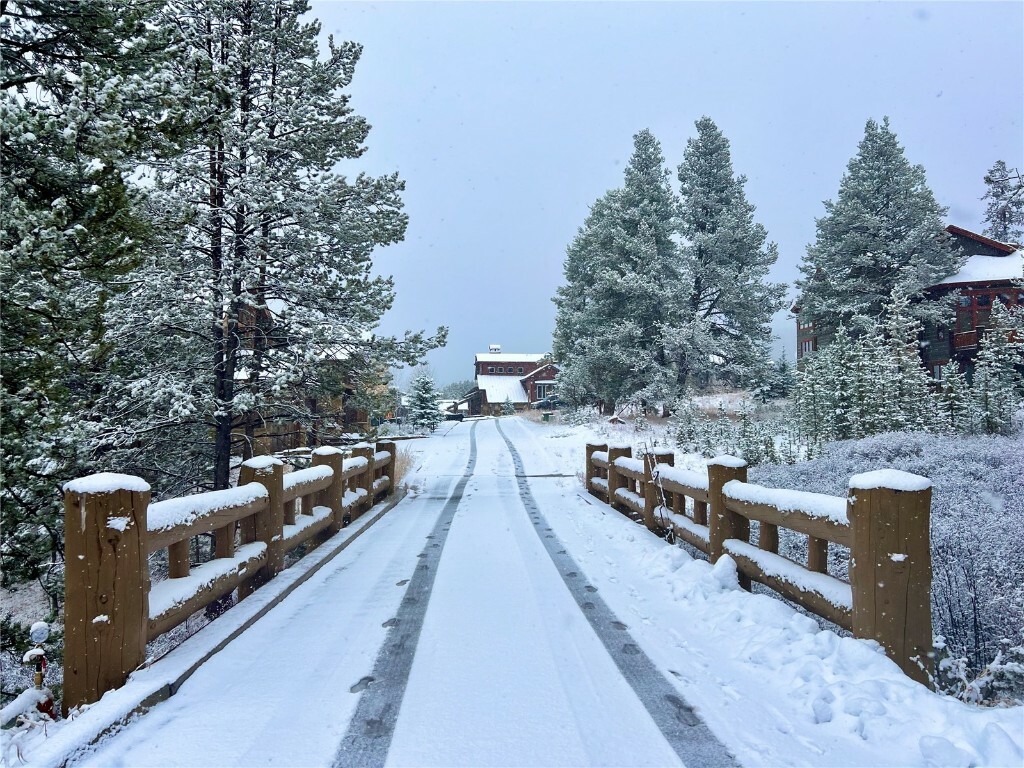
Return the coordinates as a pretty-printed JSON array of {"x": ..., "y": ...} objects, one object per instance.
[
  {"x": 993, "y": 271},
  {"x": 522, "y": 379}
]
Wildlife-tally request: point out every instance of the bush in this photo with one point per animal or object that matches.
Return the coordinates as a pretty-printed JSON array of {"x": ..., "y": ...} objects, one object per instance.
[{"x": 977, "y": 535}]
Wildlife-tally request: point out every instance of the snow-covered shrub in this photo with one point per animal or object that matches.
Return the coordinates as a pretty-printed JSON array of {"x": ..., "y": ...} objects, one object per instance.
[{"x": 977, "y": 528}]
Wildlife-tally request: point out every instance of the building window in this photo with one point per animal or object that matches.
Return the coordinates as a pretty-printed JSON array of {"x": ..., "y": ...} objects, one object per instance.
[
  {"x": 500, "y": 369},
  {"x": 519, "y": 369},
  {"x": 965, "y": 301},
  {"x": 490, "y": 369},
  {"x": 984, "y": 300},
  {"x": 937, "y": 371}
]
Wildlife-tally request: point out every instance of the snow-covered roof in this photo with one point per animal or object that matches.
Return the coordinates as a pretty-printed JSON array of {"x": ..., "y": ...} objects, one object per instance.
[
  {"x": 981, "y": 269},
  {"x": 502, "y": 388},
  {"x": 509, "y": 358},
  {"x": 538, "y": 371}
]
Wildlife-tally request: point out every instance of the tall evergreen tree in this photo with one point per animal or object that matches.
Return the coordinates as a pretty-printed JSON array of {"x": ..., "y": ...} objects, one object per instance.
[
  {"x": 1004, "y": 216},
  {"x": 84, "y": 96},
  {"x": 884, "y": 231},
  {"x": 264, "y": 276},
  {"x": 723, "y": 311},
  {"x": 620, "y": 273}
]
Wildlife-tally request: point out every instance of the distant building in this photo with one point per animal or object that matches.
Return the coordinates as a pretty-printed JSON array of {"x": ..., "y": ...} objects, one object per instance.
[
  {"x": 521, "y": 379},
  {"x": 993, "y": 271}
]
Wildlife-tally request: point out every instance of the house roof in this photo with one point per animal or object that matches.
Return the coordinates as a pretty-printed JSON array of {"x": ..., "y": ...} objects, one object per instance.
[
  {"x": 538, "y": 371},
  {"x": 501, "y": 388},
  {"x": 492, "y": 357},
  {"x": 1004, "y": 247},
  {"x": 987, "y": 269}
]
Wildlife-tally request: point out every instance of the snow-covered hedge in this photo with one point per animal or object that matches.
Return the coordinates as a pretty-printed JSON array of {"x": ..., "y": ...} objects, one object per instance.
[{"x": 977, "y": 525}]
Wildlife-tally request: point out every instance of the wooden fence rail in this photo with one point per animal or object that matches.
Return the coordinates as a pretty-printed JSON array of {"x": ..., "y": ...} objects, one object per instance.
[
  {"x": 111, "y": 610},
  {"x": 883, "y": 522}
]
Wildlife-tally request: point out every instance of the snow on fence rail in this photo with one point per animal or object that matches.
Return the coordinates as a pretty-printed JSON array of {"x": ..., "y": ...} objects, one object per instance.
[
  {"x": 883, "y": 522},
  {"x": 111, "y": 611}
]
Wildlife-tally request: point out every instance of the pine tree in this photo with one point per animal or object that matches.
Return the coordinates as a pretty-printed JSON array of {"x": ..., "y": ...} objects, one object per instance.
[
  {"x": 620, "y": 272},
  {"x": 263, "y": 282},
  {"x": 424, "y": 409},
  {"x": 722, "y": 314},
  {"x": 955, "y": 406},
  {"x": 884, "y": 231},
  {"x": 996, "y": 387},
  {"x": 84, "y": 98},
  {"x": 911, "y": 396},
  {"x": 1004, "y": 216},
  {"x": 507, "y": 408}
]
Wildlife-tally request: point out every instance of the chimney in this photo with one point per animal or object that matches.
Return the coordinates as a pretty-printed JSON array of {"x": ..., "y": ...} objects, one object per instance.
[{"x": 495, "y": 349}]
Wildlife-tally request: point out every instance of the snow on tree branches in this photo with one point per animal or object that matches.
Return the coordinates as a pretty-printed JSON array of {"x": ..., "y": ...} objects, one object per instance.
[{"x": 883, "y": 232}]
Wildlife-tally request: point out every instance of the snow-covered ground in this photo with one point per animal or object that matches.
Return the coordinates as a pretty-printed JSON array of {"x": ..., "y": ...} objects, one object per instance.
[{"x": 508, "y": 670}]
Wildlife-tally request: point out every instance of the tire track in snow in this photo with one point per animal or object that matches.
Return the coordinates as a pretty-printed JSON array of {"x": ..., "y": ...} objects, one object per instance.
[
  {"x": 687, "y": 734},
  {"x": 368, "y": 738}
]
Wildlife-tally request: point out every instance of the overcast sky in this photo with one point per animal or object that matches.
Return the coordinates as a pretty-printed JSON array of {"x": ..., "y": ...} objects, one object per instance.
[{"x": 507, "y": 120}]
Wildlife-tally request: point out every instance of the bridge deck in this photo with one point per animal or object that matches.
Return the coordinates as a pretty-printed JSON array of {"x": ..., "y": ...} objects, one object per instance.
[
  {"x": 447, "y": 635},
  {"x": 499, "y": 616}
]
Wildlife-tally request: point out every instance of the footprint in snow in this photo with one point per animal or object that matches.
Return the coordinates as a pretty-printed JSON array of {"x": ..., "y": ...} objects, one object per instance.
[
  {"x": 362, "y": 685},
  {"x": 401, "y": 583}
]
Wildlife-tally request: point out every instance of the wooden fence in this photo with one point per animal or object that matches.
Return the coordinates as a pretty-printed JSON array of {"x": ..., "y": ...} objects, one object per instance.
[
  {"x": 883, "y": 522},
  {"x": 111, "y": 610}
]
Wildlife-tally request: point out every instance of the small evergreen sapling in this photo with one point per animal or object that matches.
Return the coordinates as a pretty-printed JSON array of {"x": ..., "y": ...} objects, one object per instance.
[{"x": 424, "y": 408}]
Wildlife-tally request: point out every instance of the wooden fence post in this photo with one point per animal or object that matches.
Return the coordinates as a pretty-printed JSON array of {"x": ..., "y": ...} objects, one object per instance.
[
  {"x": 891, "y": 566},
  {"x": 591, "y": 470},
  {"x": 106, "y": 609},
  {"x": 389, "y": 468},
  {"x": 269, "y": 524},
  {"x": 364, "y": 479},
  {"x": 652, "y": 494},
  {"x": 332, "y": 495},
  {"x": 615, "y": 480},
  {"x": 724, "y": 524}
]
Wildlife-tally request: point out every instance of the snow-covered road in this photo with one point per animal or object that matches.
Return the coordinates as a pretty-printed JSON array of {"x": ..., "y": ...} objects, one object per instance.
[
  {"x": 502, "y": 668},
  {"x": 498, "y": 615}
]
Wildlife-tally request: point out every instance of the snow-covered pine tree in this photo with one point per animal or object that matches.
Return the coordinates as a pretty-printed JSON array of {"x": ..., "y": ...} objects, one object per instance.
[
  {"x": 836, "y": 361},
  {"x": 507, "y": 408},
  {"x": 424, "y": 411},
  {"x": 812, "y": 401},
  {"x": 621, "y": 275},
  {"x": 83, "y": 99},
  {"x": 955, "y": 405},
  {"x": 263, "y": 281},
  {"x": 1004, "y": 216},
  {"x": 910, "y": 394},
  {"x": 996, "y": 387},
  {"x": 720, "y": 326},
  {"x": 873, "y": 373},
  {"x": 884, "y": 231}
]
